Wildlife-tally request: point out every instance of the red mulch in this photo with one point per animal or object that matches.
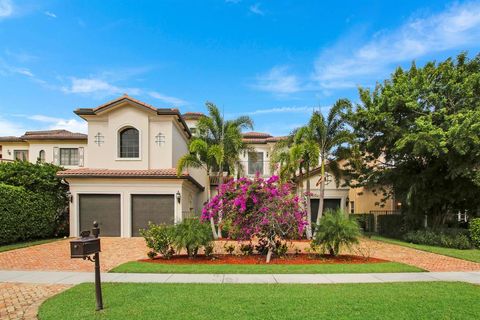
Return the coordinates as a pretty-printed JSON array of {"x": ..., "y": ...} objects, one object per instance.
[{"x": 258, "y": 259}]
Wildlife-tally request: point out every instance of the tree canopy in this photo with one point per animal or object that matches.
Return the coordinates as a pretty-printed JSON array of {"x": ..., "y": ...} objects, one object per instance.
[{"x": 419, "y": 132}]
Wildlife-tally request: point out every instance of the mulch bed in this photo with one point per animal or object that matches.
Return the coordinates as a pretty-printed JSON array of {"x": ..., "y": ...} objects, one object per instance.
[{"x": 258, "y": 259}]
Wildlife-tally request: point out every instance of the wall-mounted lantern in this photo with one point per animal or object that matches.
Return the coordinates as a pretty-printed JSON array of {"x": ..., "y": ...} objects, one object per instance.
[{"x": 178, "y": 196}]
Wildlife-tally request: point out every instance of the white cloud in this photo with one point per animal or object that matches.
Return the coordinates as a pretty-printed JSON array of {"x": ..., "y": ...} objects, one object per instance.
[
  {"x": 10, "y": 128},
  {"x": 457, "y": 27},
  {"x": 73, "y": 125},
  {"x": 6, "y": 8},
  {"x": 255, "y": 8},
  {"x": 96, "y": 86},
  {"x": 278, "y": 81},
  {"x": 285, "y": 110},
  {"x": 167, "y": 99},
  {"x": 50, "y": 14}
]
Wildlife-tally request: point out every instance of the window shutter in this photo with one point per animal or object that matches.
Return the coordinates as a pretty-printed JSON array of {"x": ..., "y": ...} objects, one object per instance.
[
  {"x": 80, "y": 157},
  {"x": 56, "y": 156}
]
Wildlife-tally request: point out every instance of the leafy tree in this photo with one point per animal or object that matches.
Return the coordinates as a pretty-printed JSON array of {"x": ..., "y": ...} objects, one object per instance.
[
  {"x": 216, "y": 148},
  {"x": 419, "y": 132}
]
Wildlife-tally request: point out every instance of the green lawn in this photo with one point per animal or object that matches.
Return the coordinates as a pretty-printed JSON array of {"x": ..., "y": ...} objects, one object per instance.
[
  {"x": 20, "y": 245},
  {"x": 469, "y": 254},
  {"x": 420, "y": 300},
  {"x": 146, "y": 267}
]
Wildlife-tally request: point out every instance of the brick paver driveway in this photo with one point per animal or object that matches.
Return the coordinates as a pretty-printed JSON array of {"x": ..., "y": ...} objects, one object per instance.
[
  {"x": 21, "y": 301},
  {"x": 55, "y": 256}
]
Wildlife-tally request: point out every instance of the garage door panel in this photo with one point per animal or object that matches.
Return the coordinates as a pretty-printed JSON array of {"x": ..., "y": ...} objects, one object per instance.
[
  {"x": 103, "y": 208},
  {"x": 151, "y": 207},
  {"x": 327, "y": 204}
]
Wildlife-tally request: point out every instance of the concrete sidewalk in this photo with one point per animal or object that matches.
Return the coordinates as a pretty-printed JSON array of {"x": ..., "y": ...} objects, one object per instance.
[{"x": 49, "y": 277}]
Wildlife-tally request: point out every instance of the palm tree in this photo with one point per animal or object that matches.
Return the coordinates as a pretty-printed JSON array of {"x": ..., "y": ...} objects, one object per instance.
[
  {"x": 217, "y": 147},
  {"x": 329, "y": 134},
  {"x": 295, "y": 157},
  {"x": 309, "y": 152}
]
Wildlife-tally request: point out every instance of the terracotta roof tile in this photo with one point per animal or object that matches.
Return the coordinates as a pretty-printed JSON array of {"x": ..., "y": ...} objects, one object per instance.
[
  {"x": 170, "y": 173},
  {"x": 253, "y": 134},
  {"x": 192, "y": 115},
  {"x": 46, "y": 135}
]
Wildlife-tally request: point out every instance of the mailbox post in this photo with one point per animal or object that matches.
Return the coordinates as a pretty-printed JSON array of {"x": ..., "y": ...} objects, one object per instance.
[{"x": 84, "y": 247}]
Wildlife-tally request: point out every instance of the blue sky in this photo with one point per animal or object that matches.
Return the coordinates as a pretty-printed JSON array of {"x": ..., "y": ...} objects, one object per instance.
[{"x": 272, "y": 60}]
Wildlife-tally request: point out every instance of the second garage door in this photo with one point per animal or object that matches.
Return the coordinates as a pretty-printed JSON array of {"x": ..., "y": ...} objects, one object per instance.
[
  {"x": 103, "y": 208},
  {"x": 151, "y": 207},
  {"x": 327, "y": 204}
]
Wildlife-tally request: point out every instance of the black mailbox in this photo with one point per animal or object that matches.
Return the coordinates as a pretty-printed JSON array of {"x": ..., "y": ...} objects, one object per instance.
[{"x": 83, "y": 247}]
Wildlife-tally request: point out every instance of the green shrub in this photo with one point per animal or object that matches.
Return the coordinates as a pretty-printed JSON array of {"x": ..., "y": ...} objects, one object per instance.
[
  {"x": 229, "y": 248},
  {"x": 474, "y": 229},
  {"x": 41, "y": 179},
  {"x": 246, "y": 249},
  {"x": 25, "y": 215},
  {"x": 192, "y": 235},
  {"x": 159, "y": 238},
  {"x": 448, "y": 238},
  {"x": 336, "y": 229}
]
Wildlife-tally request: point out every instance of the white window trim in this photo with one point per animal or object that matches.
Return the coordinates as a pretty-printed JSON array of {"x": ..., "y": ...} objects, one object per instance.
[{"x": 118, "y": 158}]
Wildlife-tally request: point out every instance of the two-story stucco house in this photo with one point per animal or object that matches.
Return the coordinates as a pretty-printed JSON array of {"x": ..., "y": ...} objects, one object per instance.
[
  {"x": 123, "y": 172},
  {"x": 129, "y": 176}
]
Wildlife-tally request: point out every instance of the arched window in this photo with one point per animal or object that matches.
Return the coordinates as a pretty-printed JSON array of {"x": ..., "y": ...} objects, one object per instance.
[
  {"x": 41, "y": 156},
  {"x": 129, "y": 143}
]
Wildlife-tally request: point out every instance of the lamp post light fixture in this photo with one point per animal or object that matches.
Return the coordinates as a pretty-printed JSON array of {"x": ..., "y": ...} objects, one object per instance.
[
  {"x": 160, "y": 139},
  {"x": 178, "y": 196}
]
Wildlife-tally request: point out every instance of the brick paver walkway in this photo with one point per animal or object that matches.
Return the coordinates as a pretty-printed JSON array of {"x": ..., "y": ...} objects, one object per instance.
[
  {"x": 422, "y": 259},
  {"x": 21, "y": 301},
  {"x": 56, "y": 256}
]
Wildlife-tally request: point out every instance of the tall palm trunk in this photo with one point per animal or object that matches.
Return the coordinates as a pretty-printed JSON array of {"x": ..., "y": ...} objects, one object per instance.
[
  {"x": 322, "y": 190},
  {"x": 309, "y": 207},
  {"x": 220, "y": 217}
]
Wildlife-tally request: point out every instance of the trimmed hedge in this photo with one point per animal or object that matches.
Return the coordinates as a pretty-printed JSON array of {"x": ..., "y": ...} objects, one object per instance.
[
  {"x": 474, "y": 228},
  {"x": 25, "y": 215},
  {"x": 448, "y": 238}
]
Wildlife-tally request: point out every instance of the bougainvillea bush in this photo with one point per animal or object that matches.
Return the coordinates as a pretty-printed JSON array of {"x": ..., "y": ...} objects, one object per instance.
[{"x": 258, "y": 208}]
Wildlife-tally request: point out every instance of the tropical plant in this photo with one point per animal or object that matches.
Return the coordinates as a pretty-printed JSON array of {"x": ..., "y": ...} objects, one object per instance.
[
  {"x": 334, "y": 230},
  {"x": 216, "y": 148},
  {"x": 259, "y": 208},
  {"x": 330, "y": 135},
  {"x": 191, "y": 234},
  {"x": 160, "y": 239}
]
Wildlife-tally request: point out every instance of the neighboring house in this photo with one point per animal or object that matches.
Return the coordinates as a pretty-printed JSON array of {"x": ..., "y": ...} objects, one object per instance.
[
  {"x": 60, "y": 147},
  {"x": 130, "y": 177}
]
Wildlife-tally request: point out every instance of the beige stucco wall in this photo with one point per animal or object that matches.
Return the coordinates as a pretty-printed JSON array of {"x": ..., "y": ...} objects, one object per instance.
[
  {"x": 331, "y": 190},
  {"x": 125, "y": 188},
  {"x": 366, "y": 200},
  {"x": 9, "y": 147},
  {"x": 48, "y": 146}
]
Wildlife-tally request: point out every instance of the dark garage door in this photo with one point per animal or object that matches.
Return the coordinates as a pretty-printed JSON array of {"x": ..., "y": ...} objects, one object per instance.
[
  {"x": 327, "y": 204},
  {"x": 151, "y": 207},
  {"x": 104, "y": 208}
]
